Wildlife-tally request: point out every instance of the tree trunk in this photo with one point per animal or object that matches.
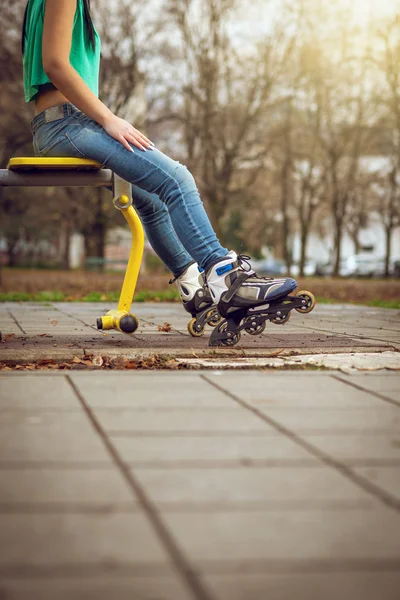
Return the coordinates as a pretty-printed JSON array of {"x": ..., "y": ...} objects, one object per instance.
[
  {"x": 303, "y": 249},
  {"x": 65, "y": 262},
  {"x": 356, "y": 243},
  {"x": 285, "y": 174},
  {"x": 11, "y": 253},
  {"x": 95, "y": 236},
  {"x": 338, "y": 246},
  {"x": 388, "y": 244}
]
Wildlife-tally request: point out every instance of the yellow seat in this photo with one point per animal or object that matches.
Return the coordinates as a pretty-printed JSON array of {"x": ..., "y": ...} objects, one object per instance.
[{"x": 31, "y": 163}]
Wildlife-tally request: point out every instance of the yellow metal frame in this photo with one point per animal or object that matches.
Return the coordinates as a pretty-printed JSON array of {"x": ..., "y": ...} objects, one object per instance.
[{"x": 120, "y": 319}]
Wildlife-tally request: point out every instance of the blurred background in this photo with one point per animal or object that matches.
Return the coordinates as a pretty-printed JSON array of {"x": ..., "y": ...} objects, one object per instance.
[{"x": 286, "y": 112}]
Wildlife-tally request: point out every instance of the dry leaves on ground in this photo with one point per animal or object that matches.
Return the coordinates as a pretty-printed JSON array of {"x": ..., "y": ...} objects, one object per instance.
[
  {"x": 7, "y": 337},
  {"x": 165, "y": 327},
  {"x": 91, "y": 362}
]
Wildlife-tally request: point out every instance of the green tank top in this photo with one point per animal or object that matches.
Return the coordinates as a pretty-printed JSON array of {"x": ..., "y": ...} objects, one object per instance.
[{"x": 82, "y": 58}]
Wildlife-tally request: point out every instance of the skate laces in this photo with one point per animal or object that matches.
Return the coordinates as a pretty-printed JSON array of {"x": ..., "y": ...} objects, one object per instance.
[{"x": 243, "y": 259}]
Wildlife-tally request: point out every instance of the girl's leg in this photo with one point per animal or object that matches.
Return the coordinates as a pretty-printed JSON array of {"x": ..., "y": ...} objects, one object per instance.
[
  {"x": 160, "y": 232},
  {"x": 151, "y": 171}
]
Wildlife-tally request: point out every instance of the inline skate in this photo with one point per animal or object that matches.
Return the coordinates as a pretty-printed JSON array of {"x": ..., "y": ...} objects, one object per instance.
[
  {"x": 197, "y": 300},
  {"x": 247, "y": 301}
]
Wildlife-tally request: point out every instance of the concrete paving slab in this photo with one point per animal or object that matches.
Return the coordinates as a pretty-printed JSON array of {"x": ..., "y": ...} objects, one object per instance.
[
  {"x": 315, "y": 535},
  {"x": 113, "y": 391},
  {"x": 345, "y": 362},
  {"x": 260, "y": 487},
  {"x": 388, "y": 386},
  {"x": 57, "y": 540},
  {"x": 362, "y": 361},
  {"x": 329, "y": 329},
  {"x": 26, "y": 355},
  {"x": 193, "y": 449},
  {"x": 305, "y": 586},
  {"x": 55, "y": 489},
  {"x": 37, "y": 392},
  {"x": 261, "y": 389},
  {"x": 49, "y": 436},
  {"x": 242, "y": 503},
  {"x": 176, "y": 421},
  {"x": 179, "y": 344},
  {"x": 383, "y": 419},
  {"x": 101, "y": 587},
  {"x": 387, "y": 478},
  {"x": 358, "y": 447}
]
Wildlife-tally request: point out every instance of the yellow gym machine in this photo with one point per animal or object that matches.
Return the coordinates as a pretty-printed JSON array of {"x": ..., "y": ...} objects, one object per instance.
[{"x": 82, "y": 172}]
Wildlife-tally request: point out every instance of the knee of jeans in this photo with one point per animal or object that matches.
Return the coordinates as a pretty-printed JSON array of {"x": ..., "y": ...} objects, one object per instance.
[
  {"x": 183, "y": 176},
  {"x": 149, "y": 208}
]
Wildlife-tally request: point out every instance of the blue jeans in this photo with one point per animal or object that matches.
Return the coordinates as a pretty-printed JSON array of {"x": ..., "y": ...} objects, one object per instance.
[{"x": 164, "y": 191}]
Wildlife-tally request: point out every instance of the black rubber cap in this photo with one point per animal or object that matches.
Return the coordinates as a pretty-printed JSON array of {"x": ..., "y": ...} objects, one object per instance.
[
  {"x": 99, "y": 323},
  {"x": 128, "y": 324}
]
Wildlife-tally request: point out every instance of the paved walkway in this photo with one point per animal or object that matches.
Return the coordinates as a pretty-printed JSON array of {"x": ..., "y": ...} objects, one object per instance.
[
  {"x": 199, "y": 485},
  {"x": 65, "y": 330}
]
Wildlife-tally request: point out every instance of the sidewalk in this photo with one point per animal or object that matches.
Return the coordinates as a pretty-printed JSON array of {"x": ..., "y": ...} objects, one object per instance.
[
  {"x": 64, "y": 330},
  {"x": 207, "y": 485}
]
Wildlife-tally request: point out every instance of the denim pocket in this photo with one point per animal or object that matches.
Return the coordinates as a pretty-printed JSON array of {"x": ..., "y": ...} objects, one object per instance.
[{"x": 44, "y": 151}]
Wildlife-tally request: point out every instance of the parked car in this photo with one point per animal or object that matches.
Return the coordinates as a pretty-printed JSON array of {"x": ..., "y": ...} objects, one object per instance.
[
  {"x": 394, "y": 267},
  {"x": 360, "y": 265},
  {"x": 355, "y": 265},
  {"x": 326, "y": 269}
]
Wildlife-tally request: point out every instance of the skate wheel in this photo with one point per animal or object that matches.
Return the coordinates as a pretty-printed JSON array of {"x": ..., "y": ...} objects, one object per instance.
[
  {"x": 281, "y": 320},
  {"x": 309, "y": 301},
  {"x": 213, "y": 318},
  {"x": 254, "y": 329},
  {"x": 231, "y": 341},
  {"x": 193, "y": 329}
]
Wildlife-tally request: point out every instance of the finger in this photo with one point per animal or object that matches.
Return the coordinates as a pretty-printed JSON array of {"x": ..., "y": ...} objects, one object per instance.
[
  {"x": 144, "y": 138},
  {"x": 137, "y": 143},
  {"x": 125, "y": 143}
]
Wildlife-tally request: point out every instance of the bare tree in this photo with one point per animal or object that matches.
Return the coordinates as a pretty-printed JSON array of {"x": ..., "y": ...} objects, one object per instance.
[
  {"x": 388, "y": 63},
  {"x": 221, "y": 101}
]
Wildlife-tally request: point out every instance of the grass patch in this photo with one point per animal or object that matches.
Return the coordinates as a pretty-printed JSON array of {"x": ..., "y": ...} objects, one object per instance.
[
  {"x": 44, "y": 296},
  {"x": 385, "y": 303},
  {"x": 169, "y": 295},
  {"x": 322, "y": 300},
  {"x": 376, "y": 302}
]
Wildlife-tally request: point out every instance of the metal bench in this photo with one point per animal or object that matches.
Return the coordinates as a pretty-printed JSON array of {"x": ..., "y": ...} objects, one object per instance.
[{"x": 82, "y": 172}]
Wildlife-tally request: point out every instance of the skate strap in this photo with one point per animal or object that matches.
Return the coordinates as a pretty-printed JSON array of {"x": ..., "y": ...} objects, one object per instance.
[{"x": 241, "y": 277}]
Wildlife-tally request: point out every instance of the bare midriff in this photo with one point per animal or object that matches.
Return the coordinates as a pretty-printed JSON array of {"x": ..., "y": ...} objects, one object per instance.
[{"x": 48, "y": 96}]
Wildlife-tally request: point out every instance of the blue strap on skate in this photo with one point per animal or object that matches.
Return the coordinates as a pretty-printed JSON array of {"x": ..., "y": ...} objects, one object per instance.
[{"x": 225, "y": 269}]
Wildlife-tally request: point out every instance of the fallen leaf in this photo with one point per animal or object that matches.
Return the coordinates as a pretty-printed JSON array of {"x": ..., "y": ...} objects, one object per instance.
[
  {"x": 166, "y": 327},
  {"x": 8, "y": 337},
  {"x": 54, "y": 322},
  {"x": 131, "y": 364},
  {"x": 97, "y": 361},
  {"x": 118, "y": 362},
  {"x": 77, "y": 360}
]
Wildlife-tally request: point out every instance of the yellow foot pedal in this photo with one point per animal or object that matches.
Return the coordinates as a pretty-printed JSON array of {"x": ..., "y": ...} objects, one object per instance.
[{"x": 122, "y": 321}]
